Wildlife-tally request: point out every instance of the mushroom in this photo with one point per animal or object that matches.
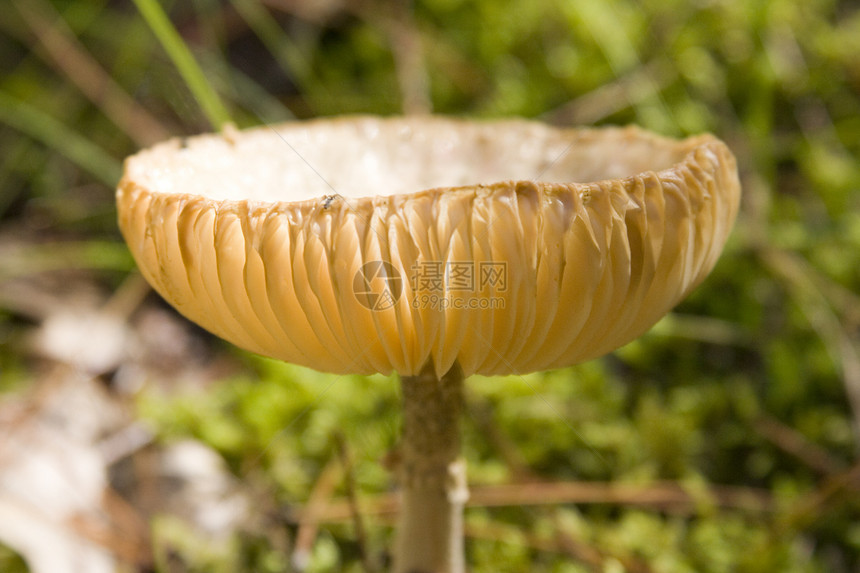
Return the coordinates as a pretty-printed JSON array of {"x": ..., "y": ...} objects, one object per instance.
[{"x": 435, "y": 248}]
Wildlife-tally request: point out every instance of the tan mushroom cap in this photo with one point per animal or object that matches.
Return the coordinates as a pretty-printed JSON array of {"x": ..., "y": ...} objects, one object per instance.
[{"x": 365, "y": 245}]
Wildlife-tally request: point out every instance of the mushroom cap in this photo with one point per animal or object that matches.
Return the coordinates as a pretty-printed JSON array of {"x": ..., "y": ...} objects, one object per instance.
[{"x": 363, "y": 245}]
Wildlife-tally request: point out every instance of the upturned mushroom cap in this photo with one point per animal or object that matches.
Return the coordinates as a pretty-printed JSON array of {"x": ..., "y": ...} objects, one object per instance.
[{"x": 367, "y": 245}]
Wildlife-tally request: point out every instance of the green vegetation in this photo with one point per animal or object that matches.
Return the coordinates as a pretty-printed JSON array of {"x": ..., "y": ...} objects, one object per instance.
[{"x": 746, "y": 400}]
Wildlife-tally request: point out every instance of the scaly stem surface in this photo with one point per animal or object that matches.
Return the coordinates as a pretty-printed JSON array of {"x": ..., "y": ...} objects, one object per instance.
[{"x": 432, "y": 475}]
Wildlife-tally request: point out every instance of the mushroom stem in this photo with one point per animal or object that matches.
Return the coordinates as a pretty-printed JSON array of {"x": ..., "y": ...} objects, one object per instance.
[{"x": 432, "y": 475}]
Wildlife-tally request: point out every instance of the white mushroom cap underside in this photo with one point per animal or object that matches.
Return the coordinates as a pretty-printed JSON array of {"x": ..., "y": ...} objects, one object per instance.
[{"x": 587, "y": 238}]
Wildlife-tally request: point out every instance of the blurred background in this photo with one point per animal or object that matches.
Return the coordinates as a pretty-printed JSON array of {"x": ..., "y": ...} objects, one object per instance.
[{"x": 726, "y": 439}]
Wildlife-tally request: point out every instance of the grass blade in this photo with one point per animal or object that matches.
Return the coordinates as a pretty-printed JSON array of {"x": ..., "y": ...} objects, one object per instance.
[
  {"x": 181, "y": 56},
  {"x": 50, "y": 131}
]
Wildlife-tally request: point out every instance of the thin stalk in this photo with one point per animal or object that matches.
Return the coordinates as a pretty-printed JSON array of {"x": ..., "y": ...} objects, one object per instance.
[{"x": 432, "y": 475}]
